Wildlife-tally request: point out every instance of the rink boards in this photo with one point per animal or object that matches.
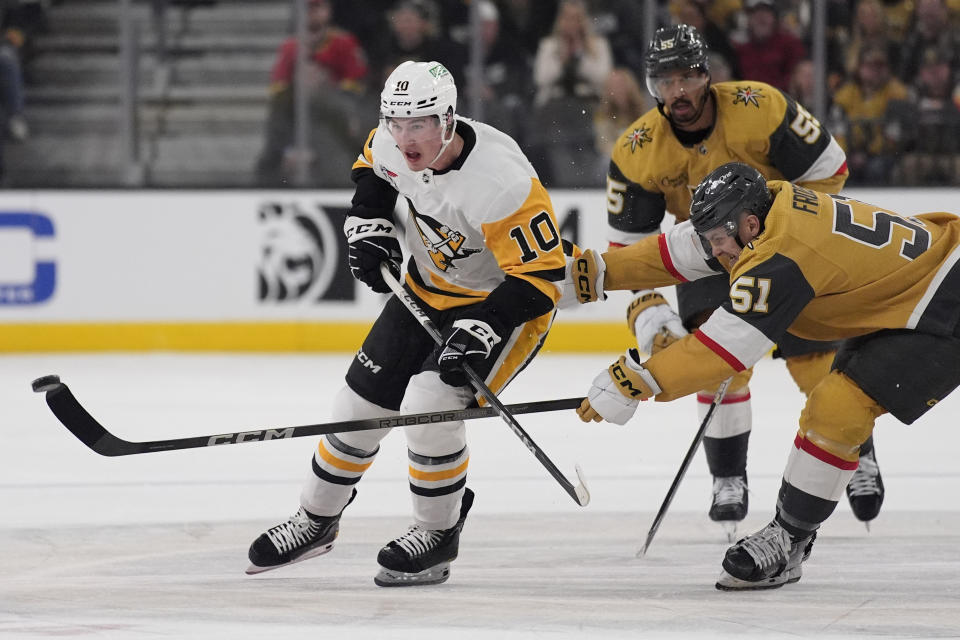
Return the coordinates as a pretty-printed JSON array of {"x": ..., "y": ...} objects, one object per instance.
[{"x": 238, "y": 270}]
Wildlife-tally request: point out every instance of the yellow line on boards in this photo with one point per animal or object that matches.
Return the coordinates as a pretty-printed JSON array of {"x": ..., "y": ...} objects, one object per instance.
[{"x": 565, "y": 337}]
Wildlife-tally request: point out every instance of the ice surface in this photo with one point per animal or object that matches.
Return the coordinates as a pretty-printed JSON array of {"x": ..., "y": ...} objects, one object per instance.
[{"x": 154, "y": 545}]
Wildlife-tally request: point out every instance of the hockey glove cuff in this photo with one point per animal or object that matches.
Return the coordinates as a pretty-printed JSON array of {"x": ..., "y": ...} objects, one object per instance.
[
  {"x": 370, "y": 242},
  {"x": 618, "y": 390},
  {"x": 468, "y": 340},
  {"x": 653, "y": 322}
]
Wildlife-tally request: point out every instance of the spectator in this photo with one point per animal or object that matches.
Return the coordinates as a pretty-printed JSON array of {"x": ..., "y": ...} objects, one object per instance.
[
  {"x": 931, "y": 28},
  {"x": 569, "y": 72},
  {"x": 867, "y": 113},
  {"x": 19, "y": 23},
  {"x": 415, "y": 34},
  {"x": 801, "y": 82},
  {"x": 506, "y": 83},
  {"x": 621, "y": 23},
  {"x": 933, "y": 125},
  {"x": 898, "y": 16},
  {"x": 770, "y": 52},
  {"x": 527, "y": 22},
  {"x": 368, "y": 25},
  {"x": 335, "y": 81},
  {"x": 694, "y": 13},
  {"x": 869, "y": 29},
  {"x": 622, "y": 102}
]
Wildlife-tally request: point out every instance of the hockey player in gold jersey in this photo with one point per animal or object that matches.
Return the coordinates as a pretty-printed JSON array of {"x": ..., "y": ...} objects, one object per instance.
[
  {"x": 821, "y": 267},
  {"x": 656, "y": 163},
  {"x": 486, "y": 265}
]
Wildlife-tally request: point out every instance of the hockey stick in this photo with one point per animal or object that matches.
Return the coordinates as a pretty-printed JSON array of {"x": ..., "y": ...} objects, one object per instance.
[
  {"x": 81, "y": 424},
  {"x": 672, "y": 491},
  {"x": 579, "y": 493}
]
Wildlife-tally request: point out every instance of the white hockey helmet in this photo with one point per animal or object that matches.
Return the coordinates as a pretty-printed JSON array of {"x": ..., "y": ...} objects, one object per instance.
[{"x": 418, "y": 89}]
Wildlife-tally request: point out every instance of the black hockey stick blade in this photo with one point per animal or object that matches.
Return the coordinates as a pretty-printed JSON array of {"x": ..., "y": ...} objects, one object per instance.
[
  {"x": 85, "y": 427},
  {"x": 672, "y": 491}
]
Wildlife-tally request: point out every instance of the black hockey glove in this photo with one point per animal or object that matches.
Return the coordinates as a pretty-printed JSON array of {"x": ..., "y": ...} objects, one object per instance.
[
  {"x": 370, "y": 243},
  {"x": 467, "y": 340}
]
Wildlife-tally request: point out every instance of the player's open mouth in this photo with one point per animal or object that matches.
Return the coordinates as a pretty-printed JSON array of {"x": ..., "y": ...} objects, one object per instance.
[
  {"x": 411, "y": 156},
  {"x": 681, "y": 106}
]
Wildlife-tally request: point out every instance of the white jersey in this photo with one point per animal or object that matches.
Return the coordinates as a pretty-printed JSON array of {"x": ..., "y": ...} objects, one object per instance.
[{"x": 470, "y": 225}]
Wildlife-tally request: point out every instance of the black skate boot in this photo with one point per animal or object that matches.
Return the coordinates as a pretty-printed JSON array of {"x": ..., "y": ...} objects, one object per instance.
[
  {"x": 865, "y": 489},
  {"x": 768, "y": 559},
  {"x": 301, "y": 537},
  {"x": 422, "y": 556},
  {"x": 730, "y": 503}
]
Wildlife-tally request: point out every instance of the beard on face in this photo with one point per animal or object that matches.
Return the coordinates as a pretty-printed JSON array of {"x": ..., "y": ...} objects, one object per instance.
[{"x": 687, "y": 116}]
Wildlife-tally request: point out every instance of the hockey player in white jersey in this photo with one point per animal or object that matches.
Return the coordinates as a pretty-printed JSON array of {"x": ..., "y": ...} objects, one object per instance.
[{"x": 485, "y": 262}]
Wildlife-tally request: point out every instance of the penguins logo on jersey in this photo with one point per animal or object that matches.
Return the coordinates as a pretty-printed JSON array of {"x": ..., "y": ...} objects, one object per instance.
[
  {"x": 637, "y": 138},
  {"x": 748, "y": 96},
  {"x": 443, "y": 243}
]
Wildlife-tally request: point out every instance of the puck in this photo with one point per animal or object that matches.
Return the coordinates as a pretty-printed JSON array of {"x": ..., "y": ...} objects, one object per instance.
[{"x": 46, "y": 383}]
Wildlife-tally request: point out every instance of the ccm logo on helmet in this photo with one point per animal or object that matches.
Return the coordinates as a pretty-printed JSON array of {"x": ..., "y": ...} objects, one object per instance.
[{"x": 400, "y": 103}]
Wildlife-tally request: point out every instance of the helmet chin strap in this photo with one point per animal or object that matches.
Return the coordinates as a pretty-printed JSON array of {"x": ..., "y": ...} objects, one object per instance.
[{"x": 445, "y": 141}]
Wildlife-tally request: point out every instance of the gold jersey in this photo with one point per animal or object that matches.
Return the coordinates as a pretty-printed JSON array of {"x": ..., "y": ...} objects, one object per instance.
[
  {"x": 824, "y": 268},
  {"x": 652, "y": 172}
]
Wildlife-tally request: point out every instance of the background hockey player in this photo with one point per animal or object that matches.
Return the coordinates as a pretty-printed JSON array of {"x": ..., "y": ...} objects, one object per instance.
[
  {"x": 656, "y": 164},
  {"x": 824, "y": 268},
  {"x": 486, "y": 265}
]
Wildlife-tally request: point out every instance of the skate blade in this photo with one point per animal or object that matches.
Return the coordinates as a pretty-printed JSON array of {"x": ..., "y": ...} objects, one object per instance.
[
  {"x": 312, "y": 553},
  {"x": 727, "y": 582},
  {"x": 434, "y": 575}
]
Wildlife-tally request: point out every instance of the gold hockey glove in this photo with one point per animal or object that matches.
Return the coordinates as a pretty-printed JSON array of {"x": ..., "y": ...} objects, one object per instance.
[
  {"x": 586, "y": 272},
  {"x": 655, "y": 325}
]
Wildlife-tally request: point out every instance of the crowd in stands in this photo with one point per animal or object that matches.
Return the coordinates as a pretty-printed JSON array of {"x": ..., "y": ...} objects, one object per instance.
[
  {"x": 20, "y": 22},
  {"x": 564, "y": 77}
]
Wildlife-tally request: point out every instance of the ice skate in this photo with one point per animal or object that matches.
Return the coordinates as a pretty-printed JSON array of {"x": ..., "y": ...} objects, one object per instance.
[
  {"x": 730, "y": 503},
  {"x": 301, "y": 537},
  {"x": 865, "y": 489},
  {"x": 422, "y": 556},
  {"x": 767, "y": 559}
]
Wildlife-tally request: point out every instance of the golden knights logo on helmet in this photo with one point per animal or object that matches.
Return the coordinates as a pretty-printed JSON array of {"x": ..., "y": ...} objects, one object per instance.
[{"x": 444, "y": 245}]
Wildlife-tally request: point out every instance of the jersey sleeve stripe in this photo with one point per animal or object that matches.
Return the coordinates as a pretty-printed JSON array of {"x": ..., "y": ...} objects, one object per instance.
[
  {"x": 830, "y": 162},
  {"x": 937, "y": 310},
  {"x": 550, "y": 275},
  {"x": 667, "y": 260},
  {"x": 720, "y": 351},
  {"x": 683, "y": 255},
  {"x": 726, "y": 333}
]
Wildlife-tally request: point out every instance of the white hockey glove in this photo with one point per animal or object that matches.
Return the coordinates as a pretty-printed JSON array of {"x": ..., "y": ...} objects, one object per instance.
[
  {"x": 653, "y": 322},
  {"x": 370, "y": 242},
  {"x": 584, "y": 279},
  {"x": 618, "y": 390}
]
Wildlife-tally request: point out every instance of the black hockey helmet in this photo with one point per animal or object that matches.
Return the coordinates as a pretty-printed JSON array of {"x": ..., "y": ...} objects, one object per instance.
[
  {"x": 678, "y": 47},
  {"x": 727, "y": 191}
]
